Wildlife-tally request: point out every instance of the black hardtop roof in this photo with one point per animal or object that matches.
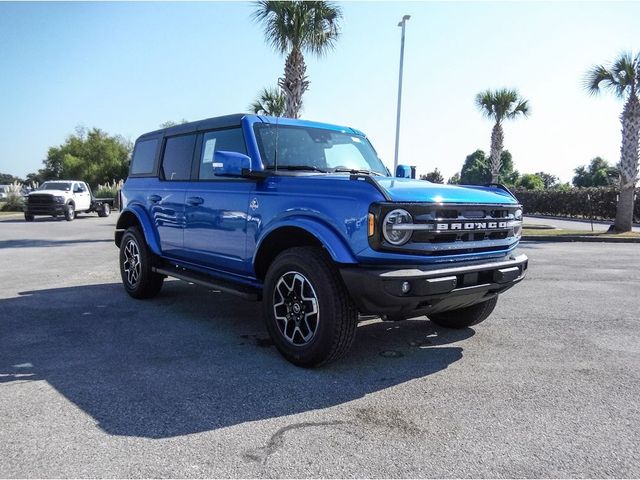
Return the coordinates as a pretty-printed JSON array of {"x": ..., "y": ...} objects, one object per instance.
[{"x": 207, "y": 124}]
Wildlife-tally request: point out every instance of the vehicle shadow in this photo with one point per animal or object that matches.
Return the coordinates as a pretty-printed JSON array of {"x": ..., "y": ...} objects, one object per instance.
[
  {"x": 36, "y": 243},
  {"x": 46, "y": 219},
  {"x": 192, "y": 360}
]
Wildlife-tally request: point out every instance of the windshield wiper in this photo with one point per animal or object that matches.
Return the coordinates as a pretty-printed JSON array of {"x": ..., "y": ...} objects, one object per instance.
[
  {"x": 355, "y": 171},
  {"x": 310, "y": 168}
]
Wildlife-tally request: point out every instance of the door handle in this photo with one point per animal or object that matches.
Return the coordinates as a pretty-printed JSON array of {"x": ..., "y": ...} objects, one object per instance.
[
  {"x": 195, "y": 200},
  {"x": 154, "y": 198}
]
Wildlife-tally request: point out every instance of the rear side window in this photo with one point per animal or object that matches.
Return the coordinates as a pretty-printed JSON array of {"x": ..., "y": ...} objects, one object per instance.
[
  {"x": 229, "y": 140},
  {"x": 178, "y": 154},
  {"x": 144, "y": 156}
]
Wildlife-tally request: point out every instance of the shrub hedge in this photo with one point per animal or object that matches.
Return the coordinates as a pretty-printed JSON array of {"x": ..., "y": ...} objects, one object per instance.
[{"x": 599, "y": 203}]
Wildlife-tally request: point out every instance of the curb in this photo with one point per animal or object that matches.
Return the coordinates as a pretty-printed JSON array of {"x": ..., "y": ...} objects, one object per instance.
[
  {"x": 572, "y": 219},
  {"x": 578, "y": 238}
]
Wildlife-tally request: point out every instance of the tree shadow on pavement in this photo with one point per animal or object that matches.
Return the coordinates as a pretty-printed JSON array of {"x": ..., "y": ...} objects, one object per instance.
[{"x": 192, "y": 360}]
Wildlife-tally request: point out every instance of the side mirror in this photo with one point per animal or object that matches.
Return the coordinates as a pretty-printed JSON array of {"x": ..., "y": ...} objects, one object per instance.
[
  {"x": 403, "y": 171},
  {"x": 231, "y": 164}
]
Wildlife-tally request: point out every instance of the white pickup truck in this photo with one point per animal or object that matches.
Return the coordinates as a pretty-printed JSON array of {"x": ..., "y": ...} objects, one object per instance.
[{"x": 65, "y": 197}]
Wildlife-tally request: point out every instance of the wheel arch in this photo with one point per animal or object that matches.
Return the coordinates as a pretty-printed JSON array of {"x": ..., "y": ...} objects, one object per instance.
[
  {"x": 299, "y": 233},
  {"x": 135, "y": 216}
]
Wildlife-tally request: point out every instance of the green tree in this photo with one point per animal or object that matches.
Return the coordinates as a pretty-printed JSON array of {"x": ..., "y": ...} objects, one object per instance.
[
  {"x": 7, "y": 179},
  {"x": 294, "y": 27},
  {"x": 455, "y": 179},
  {"x": 270, "y": 101},
  {"x": 597, "y": 174},
  {"x": 531, "y": 181},
  {"x": 476, "y": 169},
  {"x": 498, "y": 106},
  {"x": 549, "y": 180},
  {"x": 89, "y": 155},
  {"x": 622, "y": 78},
  {"x": 433, "y": 177},
  {"x": 171, "y": 123}
]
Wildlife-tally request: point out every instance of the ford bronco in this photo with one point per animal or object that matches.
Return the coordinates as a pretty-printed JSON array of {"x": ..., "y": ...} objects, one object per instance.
[{"x": 305, "y": 217}]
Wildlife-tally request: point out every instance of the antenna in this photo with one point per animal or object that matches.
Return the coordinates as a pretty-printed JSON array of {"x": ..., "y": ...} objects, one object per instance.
[{"x": 275, "y": 153}]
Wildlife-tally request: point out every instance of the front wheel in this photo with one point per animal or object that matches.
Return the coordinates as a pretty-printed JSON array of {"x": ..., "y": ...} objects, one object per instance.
[
  {"x": 309, "y": 314},
  {"x": 465, "y": 317},
  {"x": 70, "y": 212},
  {"x": 28, "y": 217},
  {"x": 138, "y": 278}
]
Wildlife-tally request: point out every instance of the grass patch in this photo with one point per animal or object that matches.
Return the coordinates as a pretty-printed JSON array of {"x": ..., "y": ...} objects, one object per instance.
[
  {"x": 559, "y": 232},
  {"x": 4, "y": 214}
]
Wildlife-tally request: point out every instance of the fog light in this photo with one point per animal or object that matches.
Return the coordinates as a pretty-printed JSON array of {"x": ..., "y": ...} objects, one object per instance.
[{"x": 406, "y": 287}]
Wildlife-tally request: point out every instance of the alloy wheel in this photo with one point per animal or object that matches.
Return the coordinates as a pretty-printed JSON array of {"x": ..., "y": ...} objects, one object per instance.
[
  {"x": 132, "y": 265},
  {"x": 296, "y": 308}
]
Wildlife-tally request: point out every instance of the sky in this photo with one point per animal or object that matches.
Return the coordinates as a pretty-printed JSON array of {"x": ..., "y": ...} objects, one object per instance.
[{"x": 128, "y": 67}]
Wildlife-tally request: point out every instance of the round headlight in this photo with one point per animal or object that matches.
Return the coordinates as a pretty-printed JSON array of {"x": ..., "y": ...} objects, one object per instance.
[
  {"x": 394, "y": 218},
  {"x": 517, "y": 214}
]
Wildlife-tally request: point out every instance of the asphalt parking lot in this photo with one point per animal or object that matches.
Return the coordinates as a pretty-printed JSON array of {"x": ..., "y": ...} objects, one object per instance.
[{"x": 96, "y": 384}]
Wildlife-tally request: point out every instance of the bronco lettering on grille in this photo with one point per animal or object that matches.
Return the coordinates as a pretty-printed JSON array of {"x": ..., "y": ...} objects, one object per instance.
[{"x": 471, "y": 226}]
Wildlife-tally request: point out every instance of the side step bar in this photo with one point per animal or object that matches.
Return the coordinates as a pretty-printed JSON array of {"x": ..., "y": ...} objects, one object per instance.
[{"x": 208, "y": 282}]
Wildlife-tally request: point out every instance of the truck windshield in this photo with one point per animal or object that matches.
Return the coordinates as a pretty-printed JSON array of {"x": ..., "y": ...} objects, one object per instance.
[
  {"x": 316, "y": 149},
  {"x": 64, "y": 186}
]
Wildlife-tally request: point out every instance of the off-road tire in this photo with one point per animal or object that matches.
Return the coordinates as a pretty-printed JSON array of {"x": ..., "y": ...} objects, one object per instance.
[
  {"x": 147, "y": 283},
  {"x": 29, "y": 217},
  {"x": 337, "y": 317},
  {"x": 465, "y": 317},
  {"x": 69, "y": 212},
  {"x": 105, "y": 211}
]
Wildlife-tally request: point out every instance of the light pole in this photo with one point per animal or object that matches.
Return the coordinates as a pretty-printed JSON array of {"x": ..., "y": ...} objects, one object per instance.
[{"x": 395, "y": 158}]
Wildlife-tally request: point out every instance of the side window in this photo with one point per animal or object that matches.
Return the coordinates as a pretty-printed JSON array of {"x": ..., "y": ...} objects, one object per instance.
[
  {"x": 176, "y": 161},
  {"x": 144, "y": 157},
  {"x": 230, "y": 140}
]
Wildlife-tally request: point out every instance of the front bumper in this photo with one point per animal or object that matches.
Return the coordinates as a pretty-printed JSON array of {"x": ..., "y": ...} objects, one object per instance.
[
  {"x": 45, "y": 209},
  {"x": 431, "y": 289}
]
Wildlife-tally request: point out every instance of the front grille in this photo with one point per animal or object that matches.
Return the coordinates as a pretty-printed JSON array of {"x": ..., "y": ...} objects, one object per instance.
[
  {"x": 453, "y": 229},
  {"x": 40, "y": 199}
]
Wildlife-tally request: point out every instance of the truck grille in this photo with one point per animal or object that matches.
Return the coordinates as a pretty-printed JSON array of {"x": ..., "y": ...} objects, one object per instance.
[
  {"x": 455, "y": 229},
  {"x": 40, "y": 199}
]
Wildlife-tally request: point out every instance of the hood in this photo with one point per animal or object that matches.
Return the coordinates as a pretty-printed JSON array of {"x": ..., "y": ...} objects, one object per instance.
[
  {"x": 57, "y": 193},
  {"x": 411, "y": 190}
]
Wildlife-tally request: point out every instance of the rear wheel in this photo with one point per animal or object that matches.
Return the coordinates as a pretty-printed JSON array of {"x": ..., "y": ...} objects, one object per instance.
[
  {"x": 105, "y": 211},
  {"x": 309, "y": 315},
  {"x": 138, "y": 278},
  {"x": 28, "y": 217},
  {"x": 465, "y": 317},
  {"x": 70, "y": 212}
]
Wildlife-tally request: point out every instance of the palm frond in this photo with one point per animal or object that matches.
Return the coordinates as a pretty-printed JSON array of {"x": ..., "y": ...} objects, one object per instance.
[
  {"x": 270, "y": 101},
  {"x": 620, "y": 77},
  {"x": 599, "y": 78},
  {"x": 502, "y": 104},
  {"x": 313, "y": 26}
]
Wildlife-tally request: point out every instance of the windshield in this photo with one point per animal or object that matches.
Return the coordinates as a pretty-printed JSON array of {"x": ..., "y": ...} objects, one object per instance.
[
  {"x": 309, "y": 148},
  {"x": 64, "y": 186}
]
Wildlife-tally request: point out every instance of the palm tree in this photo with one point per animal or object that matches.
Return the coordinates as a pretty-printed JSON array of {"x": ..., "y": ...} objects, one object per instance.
[
  {"x": 622, "y": 78},
  {"x": 270, "y": 101},
  {"x": 294, "y": 27},
  {"x": 500, "y": 105}
]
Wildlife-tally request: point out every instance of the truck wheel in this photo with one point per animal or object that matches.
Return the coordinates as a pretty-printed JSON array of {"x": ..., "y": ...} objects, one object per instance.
[
  {"x": 308, "y": 312},
  {"x": 135, "y": 266},
  {"x": 70, "y": 212},
  {"x": 28, "y": 217},
  {"x": 105, "y": 211},
  {"x": 465, "y": 317}
]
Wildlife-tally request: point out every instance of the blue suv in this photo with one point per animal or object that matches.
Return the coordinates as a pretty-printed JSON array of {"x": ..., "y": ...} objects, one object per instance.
[{"x": 305, "y": 217}]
